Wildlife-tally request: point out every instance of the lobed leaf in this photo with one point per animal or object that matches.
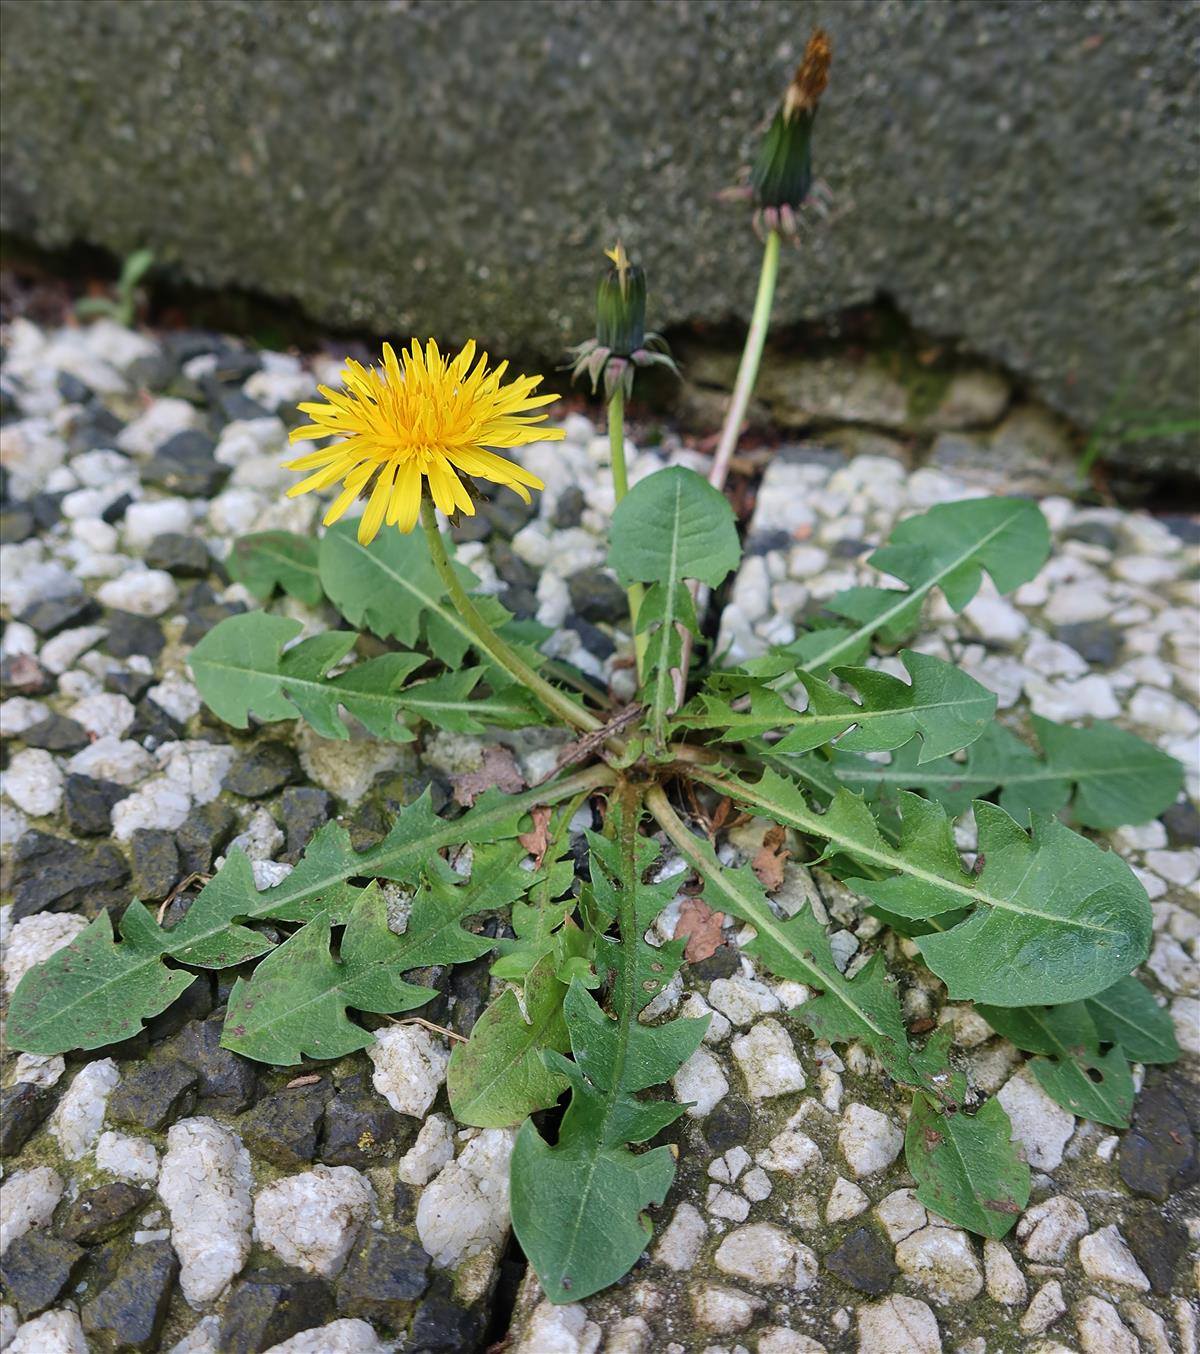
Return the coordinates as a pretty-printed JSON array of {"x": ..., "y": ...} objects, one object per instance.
[
  {"x": 1051, "y": 914},
  {"x": 268, "y": 560}
]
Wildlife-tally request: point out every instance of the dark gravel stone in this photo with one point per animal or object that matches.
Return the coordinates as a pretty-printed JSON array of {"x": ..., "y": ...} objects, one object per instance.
[
  {"x": 233, "y": 405},
  {"x": 1096, "y": 641},
  {"x": 593, "y": 639},
  {"x": 22, "y": 675},
  {"x": 267, "y": 767},
  {"x": 201, "y": 619},
  {"x": 1187, "y": 529},
  {"x": 359, "y": 1126},
  {"x": 864, "y": 1261},
  {"x": 57, "y": 875},
  {"x": 227, "y": 1082},
  {"x": 36, "y": 1268},
  {"x": 368, "y": 827},
  {"x": 234, "y": 365},
  {"x": 1093, "y": 533},
  {"x": 396, "y": 789},
  {"x": 440, "y": 1323},
  {"x": 17, "y": 524},
  {"x": 284, "y": 1127},
  {"x": 762, "y": 542},
  {"x": 522, "y": 602},
  {"x": 72, "y": 389},
  {"x": 56, "y": 733},
  {"x": 568, "y": 511},
  {"x": 476, "y": 528},
  {"x": 116, "y": 509},
  {"x": 129, "y": 1313},
  {"x": 204, "y": 835},
  {"x": 152, "y": 725},
  {"x": 88, "y": 804},
  {"x": 184, "y": 464},
  {"x": 153, "y": 372},
  {"x": 181, "y": 555},
  {"x": 23, "y": 1106},
  {"x": 95, "y": 429},
  {"x": 46, "y": 509},
  {"x": 152, "y": 1095},
  {"x": 1182, "y": 822},
  {"x": 727, "y": 1124},
  {"x": 722, "y": 963},
  {"x": 154, "y": 860},
  {"x": 270, "y": 1305},
  {"x": 304, "y": 809},
  {"x": 99, "y": 1214},
  {"x": 129, "y": 634},
  {"x": 55, "y": 614},
  {"x": 384, "y": 1275},
  {"x": 597, "y": 597},
  {"x": 1157, "y": 1244},
  {"x": 849, "y": 548},
  {"x": 512, "y": 568},
  {"x": 508, "y": 513},
  {"x": 124, "y": 682},
  {"x": 195, "y": 1002},
  {"x": 1158, "y": 1152}
]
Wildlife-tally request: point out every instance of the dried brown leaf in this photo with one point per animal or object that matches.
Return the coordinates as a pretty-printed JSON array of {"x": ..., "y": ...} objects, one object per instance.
[
  {"x": 537, "y": 840},
  {"x": 702, "y": 928},
  {"x": 498, "y": 770},
  {"x": 770, "y": 858}
]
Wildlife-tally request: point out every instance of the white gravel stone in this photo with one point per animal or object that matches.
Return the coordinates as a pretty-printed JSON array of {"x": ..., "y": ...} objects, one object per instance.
[
  {"x": 36, "y": 1069},
  {"x": 59, "y": 653},
  {"x": 19, "y": 713},
  {"x": 790, "y": 1151},
  {"x": 433, "y": 1148},
  {"x": 311, "y": 1219},
  {"x": 1047, "y": 1306},
  {"x": 1039, "y": 1125},
  {"x": 105, "y": 715},
  {"x": 1159, "y": 710},
  {"x": 165, "y": 417},
  {"x": 9, "y": 1322},
  {"x": 13, "y": 825},
  {"x": 1107, "y": 1259},
  {"x": 466, "y": 1208},
  {"x": 941, "y": 1260},
  {"x": 28, "y": 1198},
  {"x": 55, "y": 1332},
  {"x": 1078, "y": 602},
  {"x": 1005, "y": 1282},
  {"x": 177, "y": 696},
  {"x": 205, "y": 1184},
  {"x": 901, "y": 1214},
  {"x": 1174, "y": 967},
  {"x": 347, "y": 1335},
  {"x": 120, "y": 760},
  {"x": 741, "y": 1000},
  {"x": 34, "y": 782},
  {"x": 1047, "y": 1229},
  {"x": 560, "y": 1330},
  {"x": 898, "y": 1325},
  {"x": 24, "y": 581},
  {"x": 75, "y": 1123},
  {"x": 144, "y": 521},
  {"x": 145, "y": 592},
  {"x": 765, "y": 1254},
  {"x": 203, "y": 1338},
  {"x": 410, "y": 1066},
  {"x": 159, "y": 803},
  {"x": 1185, "y": 1013},
  {"x": 1151, "y": 1329},
  {"x": 781, "y": 1340},
  {"x": 846, "y": 1200},
  {"x": 346, "y": 769},
  {"x": 700, "y": 1083},
  {"x": 261, "y": 837},
  {"x": 127, "y": 1157},
  {"x": 1101, "y": 1330},
  {"x": 869, "y": 1141},
  {"x": 33, "y": 940},
  {"x": 682, "y": 1240},
  {"x": 768, "y": 1061},
  {"x": 727, "y": 1203},
  {"x": 198, "y": 768},
  {"x": 724, "y": 1311}
]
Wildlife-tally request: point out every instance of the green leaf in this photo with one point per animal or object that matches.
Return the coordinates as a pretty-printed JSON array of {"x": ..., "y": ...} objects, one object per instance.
[
  {"x": 577, "y": 1206},
  {"x": 944, "y": 707},
  {"x": 951, "y": 546},
  {"x": 295, "y": 1004},
  {"x": 270, "y": 559},
  {"x": 673, "y": 525},
  {"x": 122, "y": 983},
  {"x": 1104, "y": 775},
  {"x": 498, "y": 1076},
  {"x": 93, "y": 991},
  {"x": 1127, "y": 1014},
  {"x": 966, "y": 1166},
  {"x": 392, "y": 588},
  {"x": 1072, "y": 1072},
  {"x": 1052, "y": 915},
  {"x": 665, "y": 607}
]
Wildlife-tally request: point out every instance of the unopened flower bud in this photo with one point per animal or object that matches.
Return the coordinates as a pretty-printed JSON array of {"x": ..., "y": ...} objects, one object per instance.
[{"x": 782, "y": 177}]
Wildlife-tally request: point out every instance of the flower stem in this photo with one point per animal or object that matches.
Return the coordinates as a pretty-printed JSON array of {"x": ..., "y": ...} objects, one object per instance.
[
  {"x": 616, "y": 442},
  {"x": 550, "y": 696}
]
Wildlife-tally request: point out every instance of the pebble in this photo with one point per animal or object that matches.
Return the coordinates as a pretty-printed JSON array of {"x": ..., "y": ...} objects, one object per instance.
[
  {"x": 433, "y": 1148},
  {"x": 127, "y": 1157},
  {"x": 311, "y": 1219},
  {"x": 682, "y": 1240},
  {"x": 1005, "y": 1282},
  {"x": 899, "y": 1325},
  {"x": 700, "y": 1084},
  {"x": 177, "y": 696},
  {"x": 144, "y": 521},
  {"x": 724, "y": 1311},
  {"x": 144, "y": 592},
  {"x": 119, "y": 760},
  {"x": 1046, "y": 1230},
  {"x": 765, "y": 1254},
  {"x": 561, "y": 1330},
  {"x": 164, "y": 418},
  {"x": 741, "y": 1000},
  {"x": 33, "y": 940},
  {"x": 59, "y": 653},
  {"x": 347, "y": 1335},
  {"x": 868, "y": 1140},
  {"x": 104, "y": 715},
  {"x": 410, "y": 1066},
  {"x": 198, "y": 768},
  {"x": 942, "y": 1261},
  {"x": 159, "y": 803},
  {"x": 465, "y": 1209},
  {"x": 55, "y": 1332},
  {"x": 768, "y": 1061},
  {"x": 1155, "y": 709},
  {"x": 1039, "y": 1125},
  {"x": 205, "y": 1184},
  {"x": 1101, "y": 1330},
  {"x": 33, "y": 781},
  {"x": 1047, "y": 1306},
  {"x": 75, "y": 1123},
  {"x": 1108, "y": 1260},
  {"x": 30, "y": 1198},
  {"x": 791, "y": 1152}
]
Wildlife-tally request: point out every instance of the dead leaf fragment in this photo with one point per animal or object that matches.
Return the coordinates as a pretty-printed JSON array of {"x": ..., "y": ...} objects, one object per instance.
[
  {"x": 497, "y": 771},
  {"x": 770, "y": 858},
  {"x": 702, "y": 928},
  {"x": 537, "y": 840}
]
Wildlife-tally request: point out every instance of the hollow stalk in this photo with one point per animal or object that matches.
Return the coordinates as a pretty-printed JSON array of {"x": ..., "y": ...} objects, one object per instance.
[{"x": 616, "y": 442}]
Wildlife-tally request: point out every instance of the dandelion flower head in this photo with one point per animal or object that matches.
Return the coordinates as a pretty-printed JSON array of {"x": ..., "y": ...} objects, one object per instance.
[{"x": 422, "y": 418}]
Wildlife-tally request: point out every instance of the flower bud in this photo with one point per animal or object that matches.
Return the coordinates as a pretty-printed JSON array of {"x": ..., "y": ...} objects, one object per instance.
[{"x": 782, "y": 177}]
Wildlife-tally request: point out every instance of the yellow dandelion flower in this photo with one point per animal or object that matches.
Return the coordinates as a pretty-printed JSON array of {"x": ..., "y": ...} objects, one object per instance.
[{"x": 431, "y": 418}]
